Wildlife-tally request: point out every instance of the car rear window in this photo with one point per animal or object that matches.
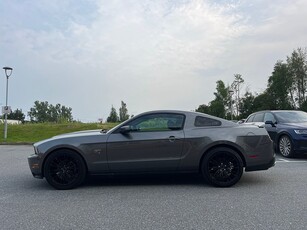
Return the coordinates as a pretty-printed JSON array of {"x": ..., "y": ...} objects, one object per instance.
[{"x": 205, "y": 121}]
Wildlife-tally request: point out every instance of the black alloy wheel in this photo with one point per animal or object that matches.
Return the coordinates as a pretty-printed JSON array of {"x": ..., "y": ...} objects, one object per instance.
[
  {"x": 222, "y": 167},
  {"x": 64, "y": 169}
]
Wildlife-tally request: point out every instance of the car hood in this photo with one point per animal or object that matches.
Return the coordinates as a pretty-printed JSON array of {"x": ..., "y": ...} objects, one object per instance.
[
  {"x": 302, "y": 125},
  {"x": 80, "y": 135}
]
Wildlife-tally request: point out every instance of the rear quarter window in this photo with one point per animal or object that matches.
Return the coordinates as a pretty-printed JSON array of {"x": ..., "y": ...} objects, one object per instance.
[{"x": 205, "y": 122}]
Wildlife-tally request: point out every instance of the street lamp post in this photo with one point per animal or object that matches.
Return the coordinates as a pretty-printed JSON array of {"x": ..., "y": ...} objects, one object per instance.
[{"x": 8, "y": 71}]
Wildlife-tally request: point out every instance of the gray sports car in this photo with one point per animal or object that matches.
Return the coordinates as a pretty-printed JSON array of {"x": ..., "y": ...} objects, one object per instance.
[{"x": 156, "y": 142}]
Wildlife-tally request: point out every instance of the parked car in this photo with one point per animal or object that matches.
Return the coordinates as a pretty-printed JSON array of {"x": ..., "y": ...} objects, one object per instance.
[
  {"x": 287, "y": 129},
  {"x": 155, "y": 142}
]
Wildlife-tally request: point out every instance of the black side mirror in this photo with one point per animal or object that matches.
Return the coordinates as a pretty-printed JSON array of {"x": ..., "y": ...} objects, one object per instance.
[
  {"x": 270, "y": 123},
  {"x": 125, "y": 129}
]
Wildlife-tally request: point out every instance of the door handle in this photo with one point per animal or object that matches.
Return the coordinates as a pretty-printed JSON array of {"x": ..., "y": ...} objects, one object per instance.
[{"x": 172, "y": 138}]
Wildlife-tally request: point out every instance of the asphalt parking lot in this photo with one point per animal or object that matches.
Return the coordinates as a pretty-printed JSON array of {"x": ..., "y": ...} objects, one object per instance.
[{"x": 273, "y": 199}]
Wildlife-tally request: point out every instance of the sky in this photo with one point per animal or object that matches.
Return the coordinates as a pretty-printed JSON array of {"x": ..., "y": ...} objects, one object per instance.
[{"x": 152, "y": 54}]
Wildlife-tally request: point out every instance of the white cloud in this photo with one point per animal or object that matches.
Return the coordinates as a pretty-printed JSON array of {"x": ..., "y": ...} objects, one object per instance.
[
  {"x": 151, "y": 54},
  {"x": 281, "y": 30}
]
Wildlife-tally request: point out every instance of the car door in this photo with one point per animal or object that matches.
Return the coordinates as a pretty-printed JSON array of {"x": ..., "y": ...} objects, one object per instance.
[
  {"x": 271, "y": 129},
  {"x": 153, "y": 142}
]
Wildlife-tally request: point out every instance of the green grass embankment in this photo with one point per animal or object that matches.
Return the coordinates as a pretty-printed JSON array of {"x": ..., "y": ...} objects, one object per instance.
[{"x": 30, "y": 133}]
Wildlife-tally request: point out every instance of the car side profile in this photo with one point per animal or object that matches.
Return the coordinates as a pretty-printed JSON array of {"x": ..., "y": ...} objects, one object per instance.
[
  {"x": 164, "y": 141},
  {"x": 287, "y": 129}
]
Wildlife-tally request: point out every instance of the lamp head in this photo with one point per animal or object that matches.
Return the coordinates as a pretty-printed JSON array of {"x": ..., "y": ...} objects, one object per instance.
[{"x": 8, "y": 71}]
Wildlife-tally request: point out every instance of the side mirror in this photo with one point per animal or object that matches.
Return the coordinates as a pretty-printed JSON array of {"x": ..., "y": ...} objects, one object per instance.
[
  {"x": 125, "y": 129},
  {"x": 270, "y": 123}
]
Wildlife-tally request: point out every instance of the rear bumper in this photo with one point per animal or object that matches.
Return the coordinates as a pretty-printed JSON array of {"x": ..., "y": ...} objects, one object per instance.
[
  {"x": 35, "y": 166},
  {"x": 262, "y": 166}
]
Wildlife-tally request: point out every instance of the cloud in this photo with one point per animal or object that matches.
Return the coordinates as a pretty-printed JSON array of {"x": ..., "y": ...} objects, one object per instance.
[
  {"x": 279, "y": 29},
  {"x": 152, "y": 54}
]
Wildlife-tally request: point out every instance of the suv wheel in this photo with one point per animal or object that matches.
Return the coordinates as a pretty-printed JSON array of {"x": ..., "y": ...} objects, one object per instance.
[{"x": 285, "y": 146}]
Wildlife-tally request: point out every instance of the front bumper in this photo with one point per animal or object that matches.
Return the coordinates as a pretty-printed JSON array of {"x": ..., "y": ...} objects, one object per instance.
[
  {"x": 300, "y": 146},
  {"x": 35, "y": 166}
]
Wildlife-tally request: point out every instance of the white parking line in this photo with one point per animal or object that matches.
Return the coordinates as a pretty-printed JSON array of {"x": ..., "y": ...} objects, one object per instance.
[
  {"x": 283, "y": 160},
  {"x": 289, "y": 161}
]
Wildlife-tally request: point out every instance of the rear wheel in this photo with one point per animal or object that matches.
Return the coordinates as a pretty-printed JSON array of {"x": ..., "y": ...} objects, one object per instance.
[
  {"x": 64, "y": 169},
  {"x": 222, "y": 167},
  {"x": 285, "y": 146}
]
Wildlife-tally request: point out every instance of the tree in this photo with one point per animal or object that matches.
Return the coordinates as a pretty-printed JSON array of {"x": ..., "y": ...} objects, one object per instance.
[
  {"x": 113, "y": 117},
  {"x": 17, "y": 115},
  {"x": 236, "y": 87},
  {"x": 263, "y": 102},
  {"x": 39, "y": 112},
  {"x": 219, "y": 105},
  {"x": 123, "y": 112},
  {"x": 286, "y": 89},
  {"x": 297, "y": 66},
  {"x": 217, "y": 108},
  {"x": 203, "y": 109},
  {"x": 43, "y": 112},
  {"x": 247, "y": 105},
  {"x": 279, "y": 87}
]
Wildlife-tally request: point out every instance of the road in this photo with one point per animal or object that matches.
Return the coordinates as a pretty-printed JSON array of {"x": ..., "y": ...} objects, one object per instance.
[{"x": 273, "y": 199}]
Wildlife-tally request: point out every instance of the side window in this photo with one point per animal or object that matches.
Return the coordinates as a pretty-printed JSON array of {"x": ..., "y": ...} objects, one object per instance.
[
  {"x": 158, "y": 122},
  {"x": 205, "y": 121},
  {"x": 269, "y": 117},
  {"x": 258, "y": 117},
  {"x": 250, "y": 119}
]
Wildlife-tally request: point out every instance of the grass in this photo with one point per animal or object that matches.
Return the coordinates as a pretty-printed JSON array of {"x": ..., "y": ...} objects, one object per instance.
[{"x": 30, "y": 133}]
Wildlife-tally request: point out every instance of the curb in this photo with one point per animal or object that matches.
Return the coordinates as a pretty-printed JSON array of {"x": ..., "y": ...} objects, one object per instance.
[{"x": 14, "y": 143}]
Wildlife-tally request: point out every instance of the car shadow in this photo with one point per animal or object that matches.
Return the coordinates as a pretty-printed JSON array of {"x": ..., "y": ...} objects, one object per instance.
[
  {"x": 170, "y": 180},
  {"x": 257, "y": 179},
  {"x": 145, "y": 180},
  {"x": 302, "y": 156}
]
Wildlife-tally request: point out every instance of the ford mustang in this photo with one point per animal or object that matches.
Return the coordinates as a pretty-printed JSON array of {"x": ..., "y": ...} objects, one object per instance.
[{"x": 156, "y": 142}]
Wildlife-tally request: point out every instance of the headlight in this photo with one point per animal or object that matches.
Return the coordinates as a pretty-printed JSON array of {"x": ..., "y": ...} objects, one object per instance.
[{"x": 300, "y": 131}]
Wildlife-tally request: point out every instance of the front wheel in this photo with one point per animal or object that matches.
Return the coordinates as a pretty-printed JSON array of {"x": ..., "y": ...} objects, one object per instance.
[
  {"x": 222, "y": 167},
  {"x": 64, "y": 169},
  {"x": 285, "y": 146}
]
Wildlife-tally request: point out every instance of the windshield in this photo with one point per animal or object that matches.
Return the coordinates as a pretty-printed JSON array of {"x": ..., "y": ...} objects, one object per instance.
[{"x": 291, "y": 116}]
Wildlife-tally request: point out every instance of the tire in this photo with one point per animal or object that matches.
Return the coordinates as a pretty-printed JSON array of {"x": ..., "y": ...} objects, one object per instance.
[
  {"x": 64, "y": 169},
  {"x": 285, "y": 146},
  {"x": 222, "y": 167}
]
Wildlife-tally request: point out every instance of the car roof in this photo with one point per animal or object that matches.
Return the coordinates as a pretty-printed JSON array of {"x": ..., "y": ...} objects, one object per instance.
[
  {"x": 189, "y": 113},
  {"x": 274, "y": 111},
  {"x": 182, "y": 112}
]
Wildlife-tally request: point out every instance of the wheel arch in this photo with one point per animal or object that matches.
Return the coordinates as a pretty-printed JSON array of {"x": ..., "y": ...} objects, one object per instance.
[
  {"x": 224, "y": 145},
  {"x": 63, "y": 148},
  {"x": 283, "y": 133}
]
